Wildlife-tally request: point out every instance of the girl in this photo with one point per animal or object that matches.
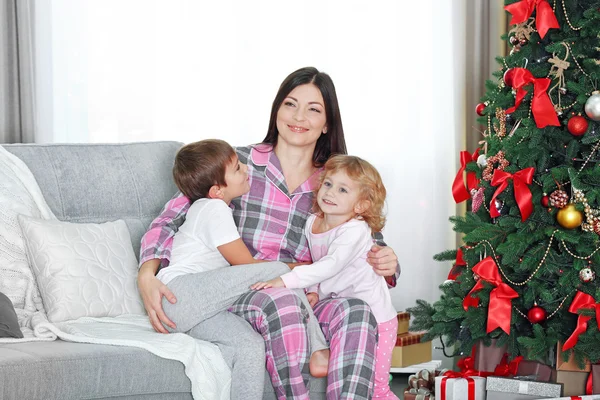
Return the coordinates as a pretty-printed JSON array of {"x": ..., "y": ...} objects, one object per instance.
[{"x": 349, "y": 206}]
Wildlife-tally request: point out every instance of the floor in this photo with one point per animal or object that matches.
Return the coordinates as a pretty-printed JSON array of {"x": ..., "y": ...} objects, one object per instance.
[{"x": 399, "y": 384}]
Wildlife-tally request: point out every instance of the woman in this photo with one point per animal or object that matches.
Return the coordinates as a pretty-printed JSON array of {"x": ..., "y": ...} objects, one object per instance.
[{"x": 305, "y": 128}]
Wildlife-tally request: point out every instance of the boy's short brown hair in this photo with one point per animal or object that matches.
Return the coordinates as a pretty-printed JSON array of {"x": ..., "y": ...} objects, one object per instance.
[{"x": 200, "y": 165}]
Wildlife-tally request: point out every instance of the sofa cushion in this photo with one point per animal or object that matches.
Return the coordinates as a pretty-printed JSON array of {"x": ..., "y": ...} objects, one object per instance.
[
  {"x": 9, "y": 324},
  {"x": 82, "y": 270},
  {"x": 64, "y": 370},
  {"x": 103, "y": 182}
]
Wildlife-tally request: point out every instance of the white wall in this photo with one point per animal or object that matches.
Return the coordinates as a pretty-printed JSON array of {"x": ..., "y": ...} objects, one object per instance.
[{"x": 129, "y": 70}]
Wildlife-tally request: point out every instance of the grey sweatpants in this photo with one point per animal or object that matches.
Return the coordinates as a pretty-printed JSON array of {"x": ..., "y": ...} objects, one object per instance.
[{"x": 201, "y": 312}]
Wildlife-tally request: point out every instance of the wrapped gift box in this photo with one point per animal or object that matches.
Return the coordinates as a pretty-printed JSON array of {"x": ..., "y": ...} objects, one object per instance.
[
  {"x": 596, "y": 379},
  {"x": 515, "y": 389},
  {"x": 538, "y": 371},
  {"x": 409, "y": 350},
  {"x": 487, "y": 358},
  {"x": 418, "y": 394},
  {"x": 422, "y": 379},
  {"x": 576, "y": 398},
  {"x": 570, "y": 364},
  {"x": 573, "y": 382},
  {"x": 403, "y": 320},
  {"x": 458, "y": 388}
]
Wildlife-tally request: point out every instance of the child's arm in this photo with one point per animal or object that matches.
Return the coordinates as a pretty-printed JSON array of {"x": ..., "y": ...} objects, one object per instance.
[
  {"x": 348, "y": 246},
  {"x": 236, "y": 253}
]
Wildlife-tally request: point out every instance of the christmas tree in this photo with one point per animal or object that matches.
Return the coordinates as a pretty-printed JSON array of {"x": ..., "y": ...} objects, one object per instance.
[{"x": 526, "y": 273}]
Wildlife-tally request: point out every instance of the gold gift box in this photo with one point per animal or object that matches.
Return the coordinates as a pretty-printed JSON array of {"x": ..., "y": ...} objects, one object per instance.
[
  {"x": 403, "y": 320},
  {"x": 410, "y": 350},
  {"x": 570, "y": 364}
]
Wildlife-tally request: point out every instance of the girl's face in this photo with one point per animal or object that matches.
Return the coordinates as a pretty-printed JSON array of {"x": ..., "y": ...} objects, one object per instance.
[
  {"x": 339, "y": 195},
  {"x": 301, "y": 117}
]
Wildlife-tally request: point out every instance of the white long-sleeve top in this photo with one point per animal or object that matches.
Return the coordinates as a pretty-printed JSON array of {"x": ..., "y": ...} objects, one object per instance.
[{"x": 340, "y": 267}]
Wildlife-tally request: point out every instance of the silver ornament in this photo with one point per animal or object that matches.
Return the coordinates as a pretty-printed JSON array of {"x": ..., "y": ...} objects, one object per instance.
[
  {"x": 587, "y": 275},
  {"x": 592, "y": 106},
  {"x": 499, "y": 204},
  {"x": 482, "y": 160}
]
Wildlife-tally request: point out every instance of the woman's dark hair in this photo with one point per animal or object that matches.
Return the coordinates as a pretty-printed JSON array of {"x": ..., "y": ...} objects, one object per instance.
[{"x": 331, "y": 143}]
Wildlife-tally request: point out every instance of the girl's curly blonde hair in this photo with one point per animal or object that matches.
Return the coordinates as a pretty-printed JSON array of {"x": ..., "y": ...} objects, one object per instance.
[{"x": 370, "y": 184}]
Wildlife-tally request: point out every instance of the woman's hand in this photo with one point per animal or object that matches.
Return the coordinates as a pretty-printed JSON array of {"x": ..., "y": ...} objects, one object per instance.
[
  {"x": 273, "y": 283},
  {"x": 152, "y": 290},
  {"x": 383, "y": 260},
  {"x": 313, "y": 298}
]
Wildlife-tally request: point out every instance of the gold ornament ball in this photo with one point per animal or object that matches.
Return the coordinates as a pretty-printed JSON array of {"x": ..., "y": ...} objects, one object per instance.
[{"x": 568, "y": 217}]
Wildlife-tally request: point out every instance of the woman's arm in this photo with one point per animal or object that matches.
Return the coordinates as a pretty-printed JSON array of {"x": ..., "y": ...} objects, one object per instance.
[
  {"x": 156, "y": 251},
  {"x": 152, "y": 290},
  {"x": 158, "y": 240}
]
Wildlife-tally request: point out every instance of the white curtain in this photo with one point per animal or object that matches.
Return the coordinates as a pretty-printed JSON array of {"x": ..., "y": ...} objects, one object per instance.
[{"x": 17, "y": 96}]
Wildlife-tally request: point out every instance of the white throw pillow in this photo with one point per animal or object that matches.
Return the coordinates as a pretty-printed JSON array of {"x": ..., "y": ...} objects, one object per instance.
[{"x": 82, "y": 270}]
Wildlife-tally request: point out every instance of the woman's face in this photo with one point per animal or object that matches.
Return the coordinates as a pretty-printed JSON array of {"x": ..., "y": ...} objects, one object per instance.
[{"x": 301, "y": 117}]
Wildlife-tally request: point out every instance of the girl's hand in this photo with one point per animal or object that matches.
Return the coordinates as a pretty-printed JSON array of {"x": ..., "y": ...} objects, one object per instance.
[
  {"x": 313, "y": 298},
  {"x": 273, "y": 283},
  {"x": 152, "y": 291},
  {"x": 383, "y": 260}
]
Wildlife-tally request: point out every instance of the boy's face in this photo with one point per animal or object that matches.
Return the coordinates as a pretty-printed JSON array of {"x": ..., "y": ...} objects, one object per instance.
[{"x": 236, "y": 179}]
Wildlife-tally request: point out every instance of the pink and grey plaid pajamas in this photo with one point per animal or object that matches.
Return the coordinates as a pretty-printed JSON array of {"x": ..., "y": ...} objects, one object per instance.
[{"x": 271, "y": 223}]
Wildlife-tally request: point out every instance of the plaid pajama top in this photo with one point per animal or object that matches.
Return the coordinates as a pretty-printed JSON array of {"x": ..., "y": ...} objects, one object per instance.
[{"x": 270, "y": 219}]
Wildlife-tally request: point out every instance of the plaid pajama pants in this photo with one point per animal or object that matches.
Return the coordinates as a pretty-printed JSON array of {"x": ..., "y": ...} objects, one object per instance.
[{"x": 348, "y": 324}]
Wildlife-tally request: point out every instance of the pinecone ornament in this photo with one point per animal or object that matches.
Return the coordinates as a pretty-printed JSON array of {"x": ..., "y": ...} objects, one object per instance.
[{"x": 559, "y": 199}]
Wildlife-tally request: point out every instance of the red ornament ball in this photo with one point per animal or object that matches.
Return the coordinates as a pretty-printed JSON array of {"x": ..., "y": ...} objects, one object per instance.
[
  {"x": 479, "y": 109},
  {"x": 508, "y": 77},
  {"x": 577, "y": 125},
  {"x": 545, "y": 201},
  {"x": 536, "y": 315}
]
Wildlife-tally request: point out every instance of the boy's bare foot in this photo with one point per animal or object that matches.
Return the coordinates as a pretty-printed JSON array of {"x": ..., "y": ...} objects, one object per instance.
[{"x": 319, "y": 361}]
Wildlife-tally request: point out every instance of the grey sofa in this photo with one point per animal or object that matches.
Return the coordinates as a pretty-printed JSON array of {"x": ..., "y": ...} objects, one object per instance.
[{"x": 99, "y": 183}]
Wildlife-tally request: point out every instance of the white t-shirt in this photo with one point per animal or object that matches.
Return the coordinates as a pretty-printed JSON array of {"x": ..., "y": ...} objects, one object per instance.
[
  {"x": 208, "y": 225},
  {"x": 341, "y": 269}
]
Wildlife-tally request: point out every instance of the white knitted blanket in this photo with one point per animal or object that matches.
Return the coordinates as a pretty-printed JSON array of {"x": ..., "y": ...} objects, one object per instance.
[{"x": 20, "y": 194}]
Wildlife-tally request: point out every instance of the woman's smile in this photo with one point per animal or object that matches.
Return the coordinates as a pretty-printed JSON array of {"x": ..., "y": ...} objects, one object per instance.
[{"x": 297, "y": 129}]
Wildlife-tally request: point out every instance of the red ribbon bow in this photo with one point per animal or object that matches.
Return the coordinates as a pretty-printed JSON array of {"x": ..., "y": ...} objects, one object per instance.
[
  {"x": 459, "y": 375},
  {"x": 500, "y": 306},
  {"x": 459, "y": 190},
  {"x": 544, "y": 19},
  {"x": 505, "y": 368},
  {"x": 581, "y": 300},
  {"x": 520, "y": 179},
  {"x": 541, "y": 106},
  {"x": 460, "y": 262}
]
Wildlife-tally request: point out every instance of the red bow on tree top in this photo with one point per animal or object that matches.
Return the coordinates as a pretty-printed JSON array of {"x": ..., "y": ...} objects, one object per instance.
[
  {"x": 581, "y": 300},
  {"x": 500, "y": 305},
  {"x": 459, "y": 190},
  {"x": 541, "y": 106},
  {"x": 544, "y": 19},
  {"x": 523, "y": 195}
]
